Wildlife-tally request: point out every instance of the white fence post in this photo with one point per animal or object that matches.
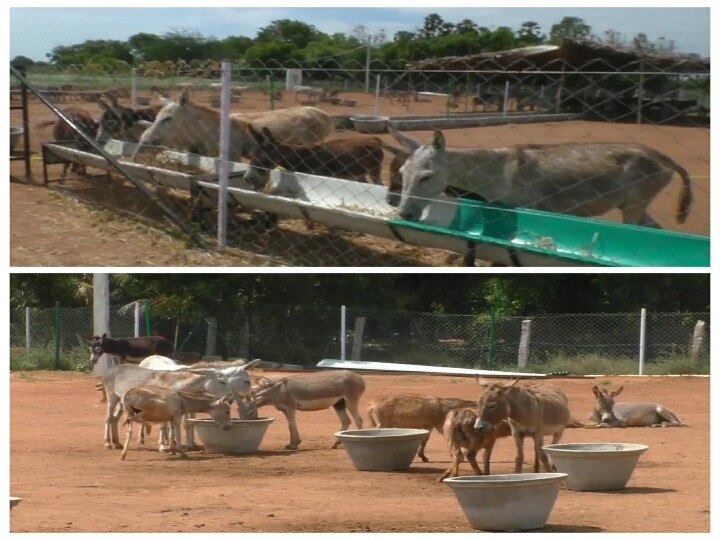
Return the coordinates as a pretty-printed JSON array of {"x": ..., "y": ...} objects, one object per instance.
[
  {"x": 137, "y": 319},
  {"x": 224, "y": 168},
  {"x": 641, "y": 355},
  {"x": 506, "y": 97},
  {"x": 358, "y": 338},
  {"x": 524, "y": 348},
  {"x": 343, "y": 315},
  {"x": 133, "y": 90},
  {"x": 699, "y": 334},
  {"x": 101, "y": 316}
]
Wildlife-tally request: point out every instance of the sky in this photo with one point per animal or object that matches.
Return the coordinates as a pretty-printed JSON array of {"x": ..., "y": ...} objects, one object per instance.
[{"x": 35, "y": 31}]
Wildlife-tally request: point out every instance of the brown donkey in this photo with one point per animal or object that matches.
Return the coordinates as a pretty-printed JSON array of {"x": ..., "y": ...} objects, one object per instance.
[
  {"x": 538, "y": 410},
  {"x": 607, "y": 413}
]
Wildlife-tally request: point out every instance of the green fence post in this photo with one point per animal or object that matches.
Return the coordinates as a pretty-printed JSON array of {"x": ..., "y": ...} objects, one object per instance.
[
  {"x": 271, "y": 91},
  {"x": 148, "y": 320},
  {"x": 57, "y": 335},
  {"x": 491, "y": 348}
]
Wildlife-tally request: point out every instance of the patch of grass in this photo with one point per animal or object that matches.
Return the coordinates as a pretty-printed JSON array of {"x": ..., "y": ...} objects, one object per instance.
[{"x": 43, "y": 358}]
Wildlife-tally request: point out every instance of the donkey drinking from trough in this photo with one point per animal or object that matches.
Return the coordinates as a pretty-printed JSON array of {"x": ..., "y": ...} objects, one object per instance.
[
  {"x": 152, "y": 404},
  {"x": 350, "y": 158},
  {"x": 132, "y": 349},
  {"x": 607, "y": 413},
  {"x": 123, "y": 123},
  {"x": 584, "y": 179},
  {"x": 538, "y": 410},
  {"x": 184, "y": 125},
  {"x": 313, "y": 392},
  {"x": 119, "y": 378}
]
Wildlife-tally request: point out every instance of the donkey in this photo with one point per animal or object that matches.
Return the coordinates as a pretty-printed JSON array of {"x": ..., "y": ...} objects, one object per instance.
[
  {"x": 538, "y": 410},
  {"x": 63, "y": 132},
  {"x": 607, "y": 413},
  {"x": 584, "y": 179},
  {"x": 153, "y": 404},
  {"x": 313, "y": 392},
  {"x": 414, "y": 411},
  {"x": 187, "y": 126},
  {"x": 123, "y": 123},
  {"x": 351, "y": 158},
  {"x": 132, "y": 349}
]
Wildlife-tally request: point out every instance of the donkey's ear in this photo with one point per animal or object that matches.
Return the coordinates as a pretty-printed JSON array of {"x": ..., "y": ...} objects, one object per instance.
[
  {"x": 438, "y": 141},
  {"x": 251, "y": 364},
  {"x": 184, "y": 97},
  {"x": 596, "y": 390},
  {"x": 481, "y": 381},
  {"x": 617, "y": 392},
  {"x": 508, "y": 386},
  {"x": 410, "y": 144},
  {"x": 268, "y": 136}
]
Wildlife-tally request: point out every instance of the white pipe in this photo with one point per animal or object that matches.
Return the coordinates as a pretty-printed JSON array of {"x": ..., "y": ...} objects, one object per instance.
[
  {"x": 137, "y": 319},
  {"x": 27, "y": 330},
  {"x": 641, "y": 355},
  {"x": 505, "y": 100},
  {"x": 343, "y": 315},
  {"x": 224, "y": 167},
  {"x": 377, "y": 96}
]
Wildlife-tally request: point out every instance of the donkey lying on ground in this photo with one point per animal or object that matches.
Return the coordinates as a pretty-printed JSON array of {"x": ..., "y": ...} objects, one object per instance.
[
  {"x": 464, "y": 441},
  {"x": 538, "y": 410},
  {"x": 584, "y": 179},
  {"x": 313, "y": 392},
  {"x": 349, "y": 158},
  {"x": 413, "y": 411},
  {"x": 132, "y": 349},
  {"x": 607, "y": 413},
  {"x": 153, "y": 404}
]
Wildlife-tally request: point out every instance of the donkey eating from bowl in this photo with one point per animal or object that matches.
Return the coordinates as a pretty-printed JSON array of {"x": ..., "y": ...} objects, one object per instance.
[{"x": 584, "y": 179}]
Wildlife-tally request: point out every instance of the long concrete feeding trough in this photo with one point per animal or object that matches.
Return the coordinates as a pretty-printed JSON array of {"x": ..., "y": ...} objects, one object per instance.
[{"x": 504, "y": 235}]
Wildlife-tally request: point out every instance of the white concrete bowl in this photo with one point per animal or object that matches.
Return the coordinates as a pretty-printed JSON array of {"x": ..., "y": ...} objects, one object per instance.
[
  {"x": 595, "y": 466},
  {"x": 14, "y": 501},
  {"x": 382, "y": 449},
  {"x": 16, "y": 134},
  {"x": 370, "y": 124},
  {"x": 507, "y": 502},
  {"x": 244, "y": 437}
]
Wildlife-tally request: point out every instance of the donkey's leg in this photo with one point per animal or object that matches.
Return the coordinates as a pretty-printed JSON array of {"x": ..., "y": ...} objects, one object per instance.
[
  {"x": 129, "y": 422},
  {"x": 519, "y": 452},
  {"x": 189, "y": 432},
  {"x": 111, "y": 421},
  {"x": 470, "y": 455},
  {"x": 292, "y": 426},
  {"x": 421, "y": 451},
  {"x": 668, "y": 417},
  {"x": 344, "y": 418},
  {"x": 353, "y": 406}
]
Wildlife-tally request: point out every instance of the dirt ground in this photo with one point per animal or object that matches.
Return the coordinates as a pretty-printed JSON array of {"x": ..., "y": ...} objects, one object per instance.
[
  {"x": 70, "y": 483},
  {"x": 54, "y": 226}
]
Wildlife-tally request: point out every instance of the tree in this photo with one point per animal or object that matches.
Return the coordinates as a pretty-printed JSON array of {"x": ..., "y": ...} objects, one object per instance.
[
  {"x": 569, "y": 28},
  {"x": 22, "y": 62},
  {"x": 298, "y": 33},
  {"x": 529, "y": 33},
  {"x": 432, "y": 26}
]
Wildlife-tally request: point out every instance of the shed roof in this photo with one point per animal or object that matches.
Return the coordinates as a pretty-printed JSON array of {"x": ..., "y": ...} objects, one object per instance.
[{"x": 578, "y": 55}]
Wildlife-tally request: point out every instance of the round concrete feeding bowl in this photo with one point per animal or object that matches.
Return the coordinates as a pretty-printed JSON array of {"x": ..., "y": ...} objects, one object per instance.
[
  {"x": 507, "y": 502},
  {"x": 14, "y": 501},
  {"x": 16, "y": 134},
  {"x": 244, "y": 437},
  {"x": 382, "y": 449},
  {"x": 595, "y": 466},
  {"x": 370, "y": 124}
]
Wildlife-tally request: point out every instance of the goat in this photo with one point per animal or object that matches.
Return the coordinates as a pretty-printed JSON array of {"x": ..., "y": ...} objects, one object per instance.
[
  {"x": 414, "y": 411},
  {"x": 313, "y": 392},
  {"x": 153, "y": 404},
  {"x": 539, "y": 410},
  {"x": 464, "y": 441},
  {"x": 607, "y": 413},
  {"x": 62, "y": 131}
]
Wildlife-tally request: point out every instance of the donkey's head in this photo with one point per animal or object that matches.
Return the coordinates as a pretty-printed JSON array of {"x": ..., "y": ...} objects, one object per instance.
[
  {"x": 493, "y": 406},
  {"x": 605, "y": 403},
  {"x": 97, "y": 348}
]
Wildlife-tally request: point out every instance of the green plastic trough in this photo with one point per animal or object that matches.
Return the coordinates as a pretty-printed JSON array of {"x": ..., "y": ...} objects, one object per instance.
[{"x": 570, "y": 238}]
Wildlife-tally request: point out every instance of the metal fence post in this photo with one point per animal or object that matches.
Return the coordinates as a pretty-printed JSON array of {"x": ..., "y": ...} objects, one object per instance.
[
  {"x": 57, "y": 335},
  {"x": 524, "y": 347},
  {"x": 136, "y": 333},
  {"x": 491, "y": 347},
  {"x": 343, "y": 318},
  {"x": 27, "y": 332},
  {"x": 148, "y": 331},
  {"x": 641, "y": 355},
  {"x": 224, "y": 150}
]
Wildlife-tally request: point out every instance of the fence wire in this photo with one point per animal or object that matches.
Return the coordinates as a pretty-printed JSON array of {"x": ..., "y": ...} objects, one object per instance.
[
  {"x": 304, "y": 335},
  {"x": 654, "y": 108}
]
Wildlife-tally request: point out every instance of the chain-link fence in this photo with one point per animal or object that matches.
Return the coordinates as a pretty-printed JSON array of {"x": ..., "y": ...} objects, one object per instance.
[
  {"x": 539, "y": 115},
  {"x": 56, "y": 338}
]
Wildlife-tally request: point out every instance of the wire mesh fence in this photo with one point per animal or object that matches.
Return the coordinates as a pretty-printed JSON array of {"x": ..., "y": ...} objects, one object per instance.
[
  {"x": 588, "y": 132},
  {"x": 56, "y": 338}
]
